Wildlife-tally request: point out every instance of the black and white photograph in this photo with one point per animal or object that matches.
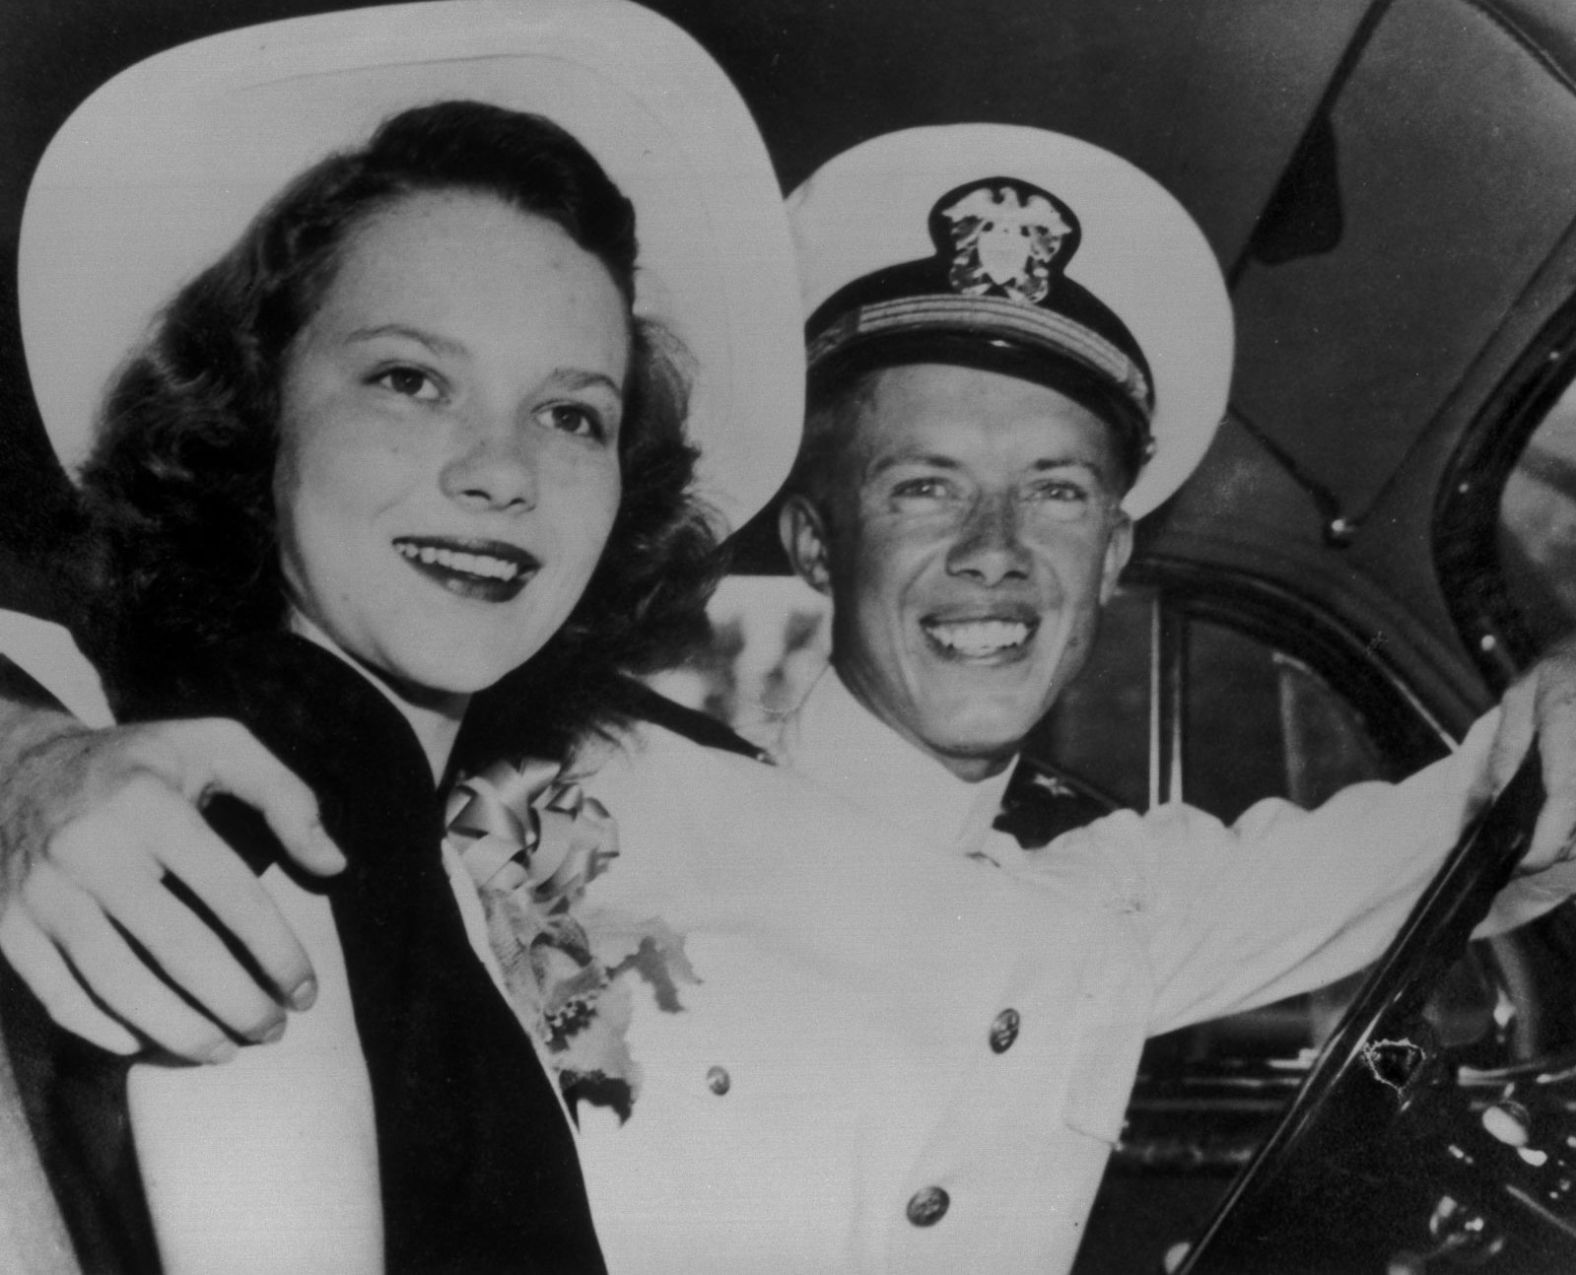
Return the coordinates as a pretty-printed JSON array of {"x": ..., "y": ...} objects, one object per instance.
[{"x": 768, "y": 636}]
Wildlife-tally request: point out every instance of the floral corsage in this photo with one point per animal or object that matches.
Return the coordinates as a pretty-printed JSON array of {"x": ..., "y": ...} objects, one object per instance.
[{"x": 532, "y": 842}]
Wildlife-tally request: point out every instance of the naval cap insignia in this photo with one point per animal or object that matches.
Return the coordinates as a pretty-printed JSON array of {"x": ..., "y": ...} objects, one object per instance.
[{"x": 1005, "y": 238}]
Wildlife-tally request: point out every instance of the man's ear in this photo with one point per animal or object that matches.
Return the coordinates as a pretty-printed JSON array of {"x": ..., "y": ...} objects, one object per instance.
[
  {"x": 802, "y": 529},
  {"x": 1118, "y": 549}
]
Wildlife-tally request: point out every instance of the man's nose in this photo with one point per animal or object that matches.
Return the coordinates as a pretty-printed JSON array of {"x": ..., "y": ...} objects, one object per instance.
[
  {"x": 990, "y": 548},
  {"x": 494, "y": 464}
]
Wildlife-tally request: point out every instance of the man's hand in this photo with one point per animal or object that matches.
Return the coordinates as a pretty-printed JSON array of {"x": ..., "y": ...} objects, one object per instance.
[
  {"x": 91, "y": 821},
  {"x": 1543, "y": 703}
]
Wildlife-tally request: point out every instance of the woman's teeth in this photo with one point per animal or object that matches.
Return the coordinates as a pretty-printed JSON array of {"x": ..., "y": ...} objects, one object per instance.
[
  {"x": 476, "y": 564},
  {"x": 980, "y": 637}
]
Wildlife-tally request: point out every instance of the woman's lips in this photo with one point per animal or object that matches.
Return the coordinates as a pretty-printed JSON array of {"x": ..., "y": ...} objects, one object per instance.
[{"x": 484, "y": 570}]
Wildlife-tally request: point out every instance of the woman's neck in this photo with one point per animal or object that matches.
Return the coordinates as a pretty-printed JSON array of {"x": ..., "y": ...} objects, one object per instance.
[{"x": 434, "y": 716}]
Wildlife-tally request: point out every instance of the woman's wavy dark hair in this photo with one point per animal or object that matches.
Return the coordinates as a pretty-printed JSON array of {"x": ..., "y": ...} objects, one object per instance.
[{"x": 180, "y": 483}]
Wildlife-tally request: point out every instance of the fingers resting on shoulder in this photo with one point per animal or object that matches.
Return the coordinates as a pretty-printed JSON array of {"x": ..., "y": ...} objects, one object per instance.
[{"x": 93, "y": 823}]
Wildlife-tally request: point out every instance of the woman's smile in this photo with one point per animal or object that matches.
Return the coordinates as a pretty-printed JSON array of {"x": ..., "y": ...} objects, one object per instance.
[{"x": 484, "y": 570}]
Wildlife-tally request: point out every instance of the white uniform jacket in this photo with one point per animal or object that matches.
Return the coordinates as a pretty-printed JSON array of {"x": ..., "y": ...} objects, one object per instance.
[{"x": 913, "y": 1053}]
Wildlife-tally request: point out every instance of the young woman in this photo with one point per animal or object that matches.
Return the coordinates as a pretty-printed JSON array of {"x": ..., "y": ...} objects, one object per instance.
[{"x": 405, "y": 437}]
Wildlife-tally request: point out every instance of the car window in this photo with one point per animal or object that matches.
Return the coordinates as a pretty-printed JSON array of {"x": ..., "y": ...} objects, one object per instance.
[
  {"x": 1255, "y": 722},
  {"x": 1536, "y": 539}
]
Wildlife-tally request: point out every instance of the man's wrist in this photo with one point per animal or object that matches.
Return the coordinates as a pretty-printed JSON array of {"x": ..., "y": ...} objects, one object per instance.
[
  {"x": 30, "y": 716},
  {"x": 36, "y": 737}
]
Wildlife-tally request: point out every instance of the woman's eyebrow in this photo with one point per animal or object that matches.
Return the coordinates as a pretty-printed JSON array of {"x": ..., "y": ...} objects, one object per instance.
[
  {"x": 569, "y": 377},
  {"x": 437, "y": 344},
  {"x": 579, "y": 379}
]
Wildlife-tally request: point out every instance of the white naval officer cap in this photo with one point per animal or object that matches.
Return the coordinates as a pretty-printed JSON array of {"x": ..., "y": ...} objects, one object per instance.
[
  {"x": 1029, "y": 252},
  {"x": 162, "y": 168}
]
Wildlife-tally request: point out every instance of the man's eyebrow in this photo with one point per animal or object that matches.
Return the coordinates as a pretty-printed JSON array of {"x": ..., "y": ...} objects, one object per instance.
[
  {"x": 933, "y": 460},
  {"x": 1068, "y": 462}
]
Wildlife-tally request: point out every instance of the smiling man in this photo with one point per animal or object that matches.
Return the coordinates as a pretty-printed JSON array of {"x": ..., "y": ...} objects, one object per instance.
[
  {"x": 999, "y": 385},
  {"x": 968, "y": 527}
]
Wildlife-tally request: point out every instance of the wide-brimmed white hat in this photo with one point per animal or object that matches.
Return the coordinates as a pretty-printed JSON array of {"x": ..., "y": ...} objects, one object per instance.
[
  {"x": 1031, "y": 251},
  {"x": 161, "y": 169}
]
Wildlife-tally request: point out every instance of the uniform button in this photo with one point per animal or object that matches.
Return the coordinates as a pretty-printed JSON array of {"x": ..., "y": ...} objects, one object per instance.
[
  {"x": 718, "y": 1080},
  {"x": 928, "y": 1205},
  {"x": 1004, "y": 1030}
]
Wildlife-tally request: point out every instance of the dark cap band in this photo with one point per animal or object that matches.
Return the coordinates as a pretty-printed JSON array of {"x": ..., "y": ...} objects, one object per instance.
[
  {"x": 994, "y": 295},
  {"x": 839, "y": 366}
]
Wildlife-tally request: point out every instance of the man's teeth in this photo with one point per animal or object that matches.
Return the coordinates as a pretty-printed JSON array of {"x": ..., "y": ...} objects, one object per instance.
[
  {"x": 476, "y": 564},
  {"x": 980, "y": 637}
]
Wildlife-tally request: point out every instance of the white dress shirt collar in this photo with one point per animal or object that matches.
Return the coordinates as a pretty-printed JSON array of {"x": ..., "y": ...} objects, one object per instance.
[{"x": 838, "y": 744}]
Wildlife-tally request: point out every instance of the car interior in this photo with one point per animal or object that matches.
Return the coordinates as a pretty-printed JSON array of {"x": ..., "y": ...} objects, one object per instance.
[{"x": 1381, "y": 536}]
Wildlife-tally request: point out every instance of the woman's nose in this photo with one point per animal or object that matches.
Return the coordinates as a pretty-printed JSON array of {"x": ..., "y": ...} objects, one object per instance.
[
  {"x": 989, "y": 548},
  {"x": 493, "y": 467}
]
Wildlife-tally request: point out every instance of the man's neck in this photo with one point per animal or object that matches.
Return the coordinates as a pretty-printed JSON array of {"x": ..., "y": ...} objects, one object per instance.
[
  {"x": 971, "y": 768},
  {"x": 834, "y": 741}
]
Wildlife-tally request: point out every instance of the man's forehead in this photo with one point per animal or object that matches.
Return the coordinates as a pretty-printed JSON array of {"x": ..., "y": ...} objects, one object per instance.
[{"x": 949, "y": 414}]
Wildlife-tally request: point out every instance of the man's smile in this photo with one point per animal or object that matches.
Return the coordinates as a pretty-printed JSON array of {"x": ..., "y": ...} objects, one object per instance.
[{"x": 980, "y": 637}]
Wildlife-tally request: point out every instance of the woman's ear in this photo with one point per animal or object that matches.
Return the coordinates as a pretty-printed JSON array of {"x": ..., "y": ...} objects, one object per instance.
[{"x": 802, "y": 528}]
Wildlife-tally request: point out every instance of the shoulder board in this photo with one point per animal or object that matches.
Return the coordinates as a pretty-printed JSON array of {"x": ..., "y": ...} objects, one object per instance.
[{"x": 1043, "y": 801}]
